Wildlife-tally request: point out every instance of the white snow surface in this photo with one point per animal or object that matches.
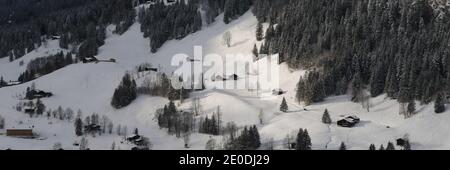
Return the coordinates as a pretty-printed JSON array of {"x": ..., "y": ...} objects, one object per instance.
[{"x": 89, "y": 87}]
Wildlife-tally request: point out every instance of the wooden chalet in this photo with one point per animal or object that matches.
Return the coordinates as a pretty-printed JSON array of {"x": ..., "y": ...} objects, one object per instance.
[
  {"x": 349, "y": 121},
  {"x": 19, "y": 132}
]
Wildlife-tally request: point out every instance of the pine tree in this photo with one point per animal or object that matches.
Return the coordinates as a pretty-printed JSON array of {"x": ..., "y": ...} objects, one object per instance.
[
  {"x": 326, "y": 117},
  {"x": 256, "y": 138},
  {"x": 2, "y": 122},
  {"x": 125, "y": 93},
  {"x": 83, "y": 144},
  {"x": 439, "y": 104},
  {"x": 299, "y": 140},
  {"x": 40, "y": 107},
  {"x": 411, "y": 108},
  {"x": 390, "y": 146},
  {"x": 78, "y": 126},
  {"x": 372, "y": 147},
  {"x": 357, "y": 88},
  {"x": 381, "y": 148},
  {"x": 261, "y": 117},
  {"x": 211, "y": 144},
  {"x": 228, "y": 12},
  {"x": 255, "y": 52},
  {"x": 110, "y": 127},
  {"x": 303, "y": 140},
  {"x": 263, "y": 49},
  {"x": 407, "y": 145},
  {"x": 259, "y": 31},
  {"x": 284, "y": 107},
  {"x": 307, "y": 140},
  {"x": 342, "y": 147},
  {"x": 3, "y": 83}
]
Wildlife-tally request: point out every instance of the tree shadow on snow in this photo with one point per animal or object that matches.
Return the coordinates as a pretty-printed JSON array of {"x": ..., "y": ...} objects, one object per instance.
[{"x": 239, "y": 42}]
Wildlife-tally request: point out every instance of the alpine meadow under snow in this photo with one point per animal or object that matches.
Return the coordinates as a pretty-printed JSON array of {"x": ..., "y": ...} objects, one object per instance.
[{"x": 83, "y": 89}]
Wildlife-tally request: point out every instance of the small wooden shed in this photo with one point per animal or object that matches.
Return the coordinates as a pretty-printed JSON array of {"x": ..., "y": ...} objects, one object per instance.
[{"x": 19, "y": 132}]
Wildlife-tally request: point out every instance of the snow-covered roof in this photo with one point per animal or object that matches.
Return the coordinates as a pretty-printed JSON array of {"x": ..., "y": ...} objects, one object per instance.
[{"x": 22, "y": 126}]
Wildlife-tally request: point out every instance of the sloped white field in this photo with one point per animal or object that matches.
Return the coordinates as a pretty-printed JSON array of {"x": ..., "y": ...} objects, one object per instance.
[
  {"x": 12, "y": 70},
  {"x": 89, "y": 87}
]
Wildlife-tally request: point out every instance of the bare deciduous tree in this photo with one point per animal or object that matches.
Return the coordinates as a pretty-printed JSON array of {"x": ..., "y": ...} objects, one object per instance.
[
  {"x": 227, "y": 37},
  {"x": 83, "y": 144}
]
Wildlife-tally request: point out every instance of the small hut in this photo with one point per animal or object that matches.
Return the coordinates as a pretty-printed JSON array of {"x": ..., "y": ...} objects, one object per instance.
[
  {"x": 349, "y": 121},
  {"x": 19, "y": 132}
]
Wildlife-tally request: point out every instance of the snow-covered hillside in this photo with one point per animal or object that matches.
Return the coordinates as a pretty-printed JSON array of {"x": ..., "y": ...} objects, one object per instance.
[{"x": 89, "y": 87}]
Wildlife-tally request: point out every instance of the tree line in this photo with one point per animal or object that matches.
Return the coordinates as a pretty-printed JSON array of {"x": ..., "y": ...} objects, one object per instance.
[
  {"x": 44, "y": 65},
  {"x": 249, "y": 139},
  {"x": 125, "y": 93},
  {"x": 385, "y": 46},
  {"x": 160, "y": 85},
  {"x": 235, "y": 8},
  {"x": 27, "y": 24},
  {"x": 161, "y": 22},
  {"x": 176, "y": 121}
]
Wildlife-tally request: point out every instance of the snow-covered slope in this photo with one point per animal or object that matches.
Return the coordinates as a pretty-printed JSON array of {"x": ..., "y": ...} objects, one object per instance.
[
  {"x": 12, "y": 70},
  {"x": 89, "y": 87}
]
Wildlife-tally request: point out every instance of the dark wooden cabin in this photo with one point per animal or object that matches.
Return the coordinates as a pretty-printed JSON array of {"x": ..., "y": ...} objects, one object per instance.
[
  {"x": 19, "y": 132},
  {"x": 349, "y": 121}
]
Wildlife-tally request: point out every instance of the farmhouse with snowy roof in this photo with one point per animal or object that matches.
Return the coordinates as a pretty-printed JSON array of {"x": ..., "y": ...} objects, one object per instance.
[
  {"x": 37, "y": 94},
  {"x": 349, "y": 121},
  {"x": 21, "y": 130},
  {"x": 92, "y": 128}
]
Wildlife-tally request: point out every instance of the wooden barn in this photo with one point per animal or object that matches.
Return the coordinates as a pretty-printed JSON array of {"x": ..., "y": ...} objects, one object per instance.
[
  {"x": 29, "y": 110},
  {"x": 37, "y": 94},
  {"x": 349, "y": 121},
  {"x": 401, "y": 142},
  {"x": 218, "y": 78},
  {"x": 92, "y": 128},
  {"x": 19, "y": 132},
  {"x": 143, "y": 69},
  {"x": 277, "y": 92},
  {"x": 89, "y": 59},
  {"x": 234, "y": 77},
  {"x": 56, "y": 37}
]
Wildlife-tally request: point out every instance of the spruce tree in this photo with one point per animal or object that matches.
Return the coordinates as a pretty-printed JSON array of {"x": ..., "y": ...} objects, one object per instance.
[
  {"x": 255, "y": 52},
  {"x": 259, "y": 31},
  {"x": 284, "y": 107},
  {"x": 381, "y": 148},
  {"x": 256, "y": 137},
  {"x": 407, "y": 145},
  {"x": 78, "y": 126},
  {"x": 342, "y": 147},
  {"x": 84, "y": 144},
  {"x": 372, "y": 147},
  {"x": 3, "y": 83},
  {"x": 411, "y": 108},
  {"x": 307, "y": 140},
  {"x": 125, "y": 93},
  {"x": 2, "y": 122},
  {"x": 326, "y": 117},
  {"x": 40, "y": 107},
  {"x": 228, "y": 11},
  {"x": 439, "y": 104},
  {"x": 390, "y": 146},
  {"x": 357, "y": 88},
  {"x": 300, "y": 140},
  {"x": 303, "y": 140},
  {"x": 382, "y": 61}
]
